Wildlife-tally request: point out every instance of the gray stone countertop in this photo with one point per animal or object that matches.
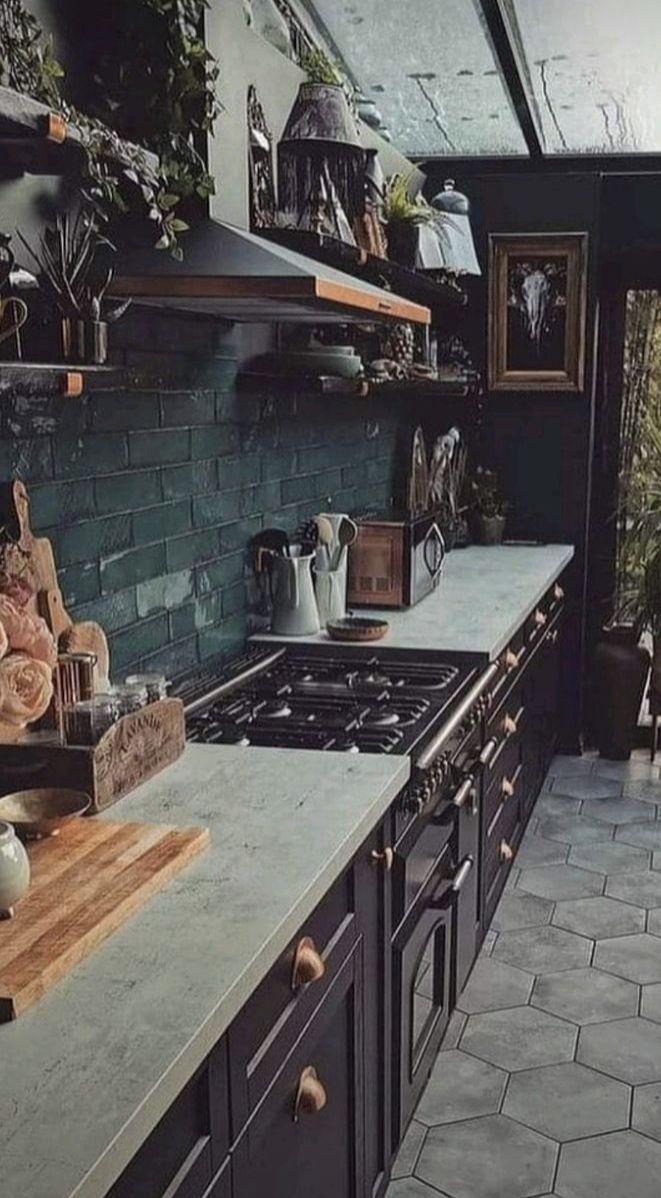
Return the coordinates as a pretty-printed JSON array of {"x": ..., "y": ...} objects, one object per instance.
[
  {"x": 483, "y": 597},
  {"x": 88, "y": 1071}
]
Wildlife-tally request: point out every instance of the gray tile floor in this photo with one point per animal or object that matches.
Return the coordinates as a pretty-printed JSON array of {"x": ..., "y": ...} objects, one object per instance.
[{"x": 548, "y": 1084}]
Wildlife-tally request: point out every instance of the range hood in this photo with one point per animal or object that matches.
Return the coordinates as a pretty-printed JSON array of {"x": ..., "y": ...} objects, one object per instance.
[{"x": 235, "y": 274}]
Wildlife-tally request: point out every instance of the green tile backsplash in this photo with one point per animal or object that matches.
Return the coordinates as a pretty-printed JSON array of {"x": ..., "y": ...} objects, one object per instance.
[{"x": 151, "y": 499}]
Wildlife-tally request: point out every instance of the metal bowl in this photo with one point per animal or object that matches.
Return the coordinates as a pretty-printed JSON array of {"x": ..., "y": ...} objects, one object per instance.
[{"x": 40, "y": 813}]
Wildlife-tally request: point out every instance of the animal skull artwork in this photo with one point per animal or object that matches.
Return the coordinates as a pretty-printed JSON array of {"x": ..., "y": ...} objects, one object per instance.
[{"x": 535, "y": 294}]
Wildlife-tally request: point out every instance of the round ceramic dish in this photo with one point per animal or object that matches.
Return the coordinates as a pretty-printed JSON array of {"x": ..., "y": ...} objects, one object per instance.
[
  {"x": 40, "y": 813},
  {"x": 357, "y": 628}
]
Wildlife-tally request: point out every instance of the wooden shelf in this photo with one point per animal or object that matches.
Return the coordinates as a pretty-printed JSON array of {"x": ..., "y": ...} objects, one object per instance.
[
  {"x": 67, "y": 379},
  {"x": 332, "y": 385},
  {"x": 37, "y": 140},
  {"x": 414, "y": 285}
]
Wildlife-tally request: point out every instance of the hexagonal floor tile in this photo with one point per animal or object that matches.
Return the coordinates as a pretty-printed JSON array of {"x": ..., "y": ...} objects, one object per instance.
[
  {"x": 550, "y": 804},
  {"x": 488, "y": 1158},
  {"x": 568, "y": 1102},
  {"x": 647, "y": 834},
  {"x": 654, "y": 922},
  {"x": 543, "y": 950},
  {"x": 409, "y": 1150},
  {"x": 643, "y": 890},
  {"x": 493, "y": 985},
  {"x": 628, "y": 1049},
  {"x": 646, "y": 1115},
  {"x": 638, "y": 766},
  {"x": 453, "y": 1031},
  {"x": 410, "y": 1187},
  {"x": 560, "y": 882},
  {"x": 536, "y": 851},
  {"x": 585, "y": 996},
  {"x": 520, "y": 910},
  {"x": 610, "y": 858},
  {"x": 637, "y": 958},
  {"x": 650, "y": 1004},
  {"x": 586, "y": 787},
  {"x": 644, "y": 792},
  {"x": 519, "y": 1038},
  {"x": 460, "y": 1087},
  {"x": 618, "y": 811},
  {"x": 620, "y": 1165},
  {"x": 597, "y": 917},
  {"x": 574, "y": 829}
]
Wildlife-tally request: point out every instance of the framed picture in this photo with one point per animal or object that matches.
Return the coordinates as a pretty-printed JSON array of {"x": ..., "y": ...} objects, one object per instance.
[{"x": 537, "y": 292}]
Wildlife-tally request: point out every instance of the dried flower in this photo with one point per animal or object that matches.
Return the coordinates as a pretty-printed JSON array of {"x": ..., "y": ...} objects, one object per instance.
[
  {"x": 26, "y": 689},
  {"x": 27, "y": 633}
]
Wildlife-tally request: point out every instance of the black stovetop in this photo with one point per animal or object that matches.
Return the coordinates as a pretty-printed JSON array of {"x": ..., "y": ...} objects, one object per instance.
[{"x": 320, "y": 698}]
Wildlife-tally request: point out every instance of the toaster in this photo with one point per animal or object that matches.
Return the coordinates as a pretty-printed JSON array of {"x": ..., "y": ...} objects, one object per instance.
[{"x": 396, "y": 559}]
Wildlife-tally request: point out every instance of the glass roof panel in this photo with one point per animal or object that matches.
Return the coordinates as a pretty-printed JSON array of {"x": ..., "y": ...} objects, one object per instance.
[
  {"x": 593, "y": 67},
  {"x": 429, "y": 66}
]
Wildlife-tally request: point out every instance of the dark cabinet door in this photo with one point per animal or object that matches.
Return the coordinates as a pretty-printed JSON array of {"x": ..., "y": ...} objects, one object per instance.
[
  {"x": 468, "y": 897},
  {"x": 221, "y": 1187},
  {"x": 372, "y": 878},
  {"x": 305, "y": 1139}
]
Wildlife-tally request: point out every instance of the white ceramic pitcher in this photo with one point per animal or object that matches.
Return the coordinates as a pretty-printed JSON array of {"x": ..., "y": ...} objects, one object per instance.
[{"x": 295, "y": 611}]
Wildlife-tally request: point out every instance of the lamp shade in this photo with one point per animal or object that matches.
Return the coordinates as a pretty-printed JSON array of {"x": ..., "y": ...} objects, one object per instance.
[
  {"x": 454, "y": 233},
  {"x": 321, "y": 113}
]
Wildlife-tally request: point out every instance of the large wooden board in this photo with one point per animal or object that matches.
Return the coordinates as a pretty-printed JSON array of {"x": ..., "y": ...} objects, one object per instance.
[{"x": 85, "y": 883}]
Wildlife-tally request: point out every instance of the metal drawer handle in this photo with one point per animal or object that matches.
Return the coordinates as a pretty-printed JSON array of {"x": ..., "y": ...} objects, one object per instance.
[
  {"x": 308, "y": 964},
  {"x": 505, "y": 851},
  {"x": 488, "y": 751},
  {"x": 387, "y": 858},
  {"x": 513, "y": 660},
  {"x": 310, "y": 1094},
  {"x": 461, "y": 874},
  {"x": 540, "y": 618},
  {"x": 465, "y": 791}
]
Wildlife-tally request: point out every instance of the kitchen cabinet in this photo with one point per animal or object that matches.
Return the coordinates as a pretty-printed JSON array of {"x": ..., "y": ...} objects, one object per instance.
[{"x": 221, "y": 1186}]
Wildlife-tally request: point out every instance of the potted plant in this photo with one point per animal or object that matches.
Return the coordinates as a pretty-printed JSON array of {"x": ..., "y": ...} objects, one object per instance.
[
  {"x": 488, "y": 507},
  {"x": 405, "y": 216}
]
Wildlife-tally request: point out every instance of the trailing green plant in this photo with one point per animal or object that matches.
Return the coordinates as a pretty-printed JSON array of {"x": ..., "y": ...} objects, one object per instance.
[
  {"x": 486, "y": 498},
  {"x": 318, "y": 66},
  {"x": 156, "y": 85},
  {"x": 400, "y": 208}
]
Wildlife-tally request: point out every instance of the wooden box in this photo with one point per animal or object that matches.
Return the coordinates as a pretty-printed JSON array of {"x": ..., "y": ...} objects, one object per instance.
[{"x": 136, "y": 748}]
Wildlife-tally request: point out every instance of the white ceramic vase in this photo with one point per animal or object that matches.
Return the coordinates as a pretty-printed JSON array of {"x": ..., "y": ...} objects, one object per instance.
[{"x": 14, "y": 870}]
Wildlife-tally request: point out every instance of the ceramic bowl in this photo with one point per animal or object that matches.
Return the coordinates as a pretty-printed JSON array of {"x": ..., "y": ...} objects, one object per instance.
[{"x": 39, "y": 813}]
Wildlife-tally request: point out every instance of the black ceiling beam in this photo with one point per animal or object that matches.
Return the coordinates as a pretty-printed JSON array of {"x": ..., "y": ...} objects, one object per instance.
[
  {"x": 510, "y": 65},
  {"x": 582, "y": 164}
]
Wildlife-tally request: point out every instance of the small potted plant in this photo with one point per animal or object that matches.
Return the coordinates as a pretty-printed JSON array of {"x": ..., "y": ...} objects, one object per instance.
[
  {"x": 488, "y": 507},
  {"x": 405, "y": 216}
]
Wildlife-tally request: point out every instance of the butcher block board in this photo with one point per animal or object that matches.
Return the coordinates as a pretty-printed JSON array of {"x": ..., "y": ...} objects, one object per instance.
[{"x": 85, "y": 883}]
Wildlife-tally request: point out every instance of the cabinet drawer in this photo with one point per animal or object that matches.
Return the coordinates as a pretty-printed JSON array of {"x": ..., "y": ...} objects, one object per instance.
[
  {"x": 178, "y": 1159},
  {"x": 221, "y": 1186},
  {"x": 506, "y": 831},
  {"x": 498, "y": 784},
  {"x": 273, "y": 1018},
  {"x": 294, "y": 1149}
]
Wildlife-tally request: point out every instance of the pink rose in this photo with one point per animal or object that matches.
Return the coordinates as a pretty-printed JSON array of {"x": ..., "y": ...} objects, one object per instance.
[
  {"x": 27, "y": 633},
  {"x": 26, "y": 689}
]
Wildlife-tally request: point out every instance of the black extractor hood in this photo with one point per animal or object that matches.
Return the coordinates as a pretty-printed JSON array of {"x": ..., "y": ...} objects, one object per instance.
[{"x": 240, "y": 276}]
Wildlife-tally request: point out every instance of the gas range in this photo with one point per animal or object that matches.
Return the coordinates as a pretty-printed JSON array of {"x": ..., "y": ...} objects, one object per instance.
[{"x": 348, "y": 701}]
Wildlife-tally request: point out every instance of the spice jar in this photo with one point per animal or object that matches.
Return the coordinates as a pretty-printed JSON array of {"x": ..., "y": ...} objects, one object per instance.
[
  {"x": 87, "y": 721},
  {"x": 155, "y": 684},
  {"x": 130, "y": 696}
]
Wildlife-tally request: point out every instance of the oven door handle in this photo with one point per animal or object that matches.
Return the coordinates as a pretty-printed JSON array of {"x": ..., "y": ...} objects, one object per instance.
[{"x": 452, "y": 886}]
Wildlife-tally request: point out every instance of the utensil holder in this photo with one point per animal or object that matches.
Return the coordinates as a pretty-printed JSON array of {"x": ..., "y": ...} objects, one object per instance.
[{"x": 331, "y": 591}]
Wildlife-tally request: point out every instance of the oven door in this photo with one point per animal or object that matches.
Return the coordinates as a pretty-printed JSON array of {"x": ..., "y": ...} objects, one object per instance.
[{"x": 423, "y": 963}]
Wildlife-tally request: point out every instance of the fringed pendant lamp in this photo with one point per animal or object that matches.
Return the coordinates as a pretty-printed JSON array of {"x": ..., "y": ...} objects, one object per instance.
[
  {"x": 454, "y": 234},
  {"x": 321, "y": 163}
]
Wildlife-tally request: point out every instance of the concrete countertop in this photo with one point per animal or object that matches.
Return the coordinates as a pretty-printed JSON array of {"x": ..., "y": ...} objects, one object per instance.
[
  {"x": 88, "y": 1071},
  {"x": 483, "y": 597}
]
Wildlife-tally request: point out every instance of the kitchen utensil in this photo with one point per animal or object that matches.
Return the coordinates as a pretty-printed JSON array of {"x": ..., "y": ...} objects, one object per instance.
[
  {"x": 15, "y": 312},
  {"x": 41, "y": 813},
  {"x": 418, "y": 483},
  {"x": 346, "y": 533},
  {"x": 85, "y": 884},
  {"x": 14, "y": 871},
  {"x": 357, "y": 628},
  {"x": 331, "y": 590},
  {"x": 295, "y": 611}
]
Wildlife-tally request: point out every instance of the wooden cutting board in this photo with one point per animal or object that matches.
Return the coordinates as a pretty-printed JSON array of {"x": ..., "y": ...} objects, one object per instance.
[{"x": 85, "y": 883}]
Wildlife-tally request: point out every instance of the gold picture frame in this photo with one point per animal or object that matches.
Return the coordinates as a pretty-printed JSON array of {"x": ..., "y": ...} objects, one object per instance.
[{"x": 537, "y": 309}]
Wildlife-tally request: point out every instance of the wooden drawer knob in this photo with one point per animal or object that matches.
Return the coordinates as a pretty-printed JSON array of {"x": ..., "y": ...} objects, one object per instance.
[
  {"x": 386, "y": 858},
  {"x": 310, "y": 1094},
  {"x": 512, "y": 660},
  {"x": 558, "y": 593},
  {"x": 540, "y": 618},
  {"x": 510, "y": 726},
  {"x": 507, "y": 788},
  {"x": 505, "y": 851},
  {"x": 308, "y": 964}
]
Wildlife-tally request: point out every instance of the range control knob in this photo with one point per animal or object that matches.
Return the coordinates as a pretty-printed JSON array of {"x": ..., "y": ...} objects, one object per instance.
[{"x": 413, "y": 801}]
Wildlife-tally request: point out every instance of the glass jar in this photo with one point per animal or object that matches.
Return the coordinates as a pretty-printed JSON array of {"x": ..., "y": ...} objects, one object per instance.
[
  {"x": 87, "y": 721},
  {"x": 156, "y": 685},
  {"x": 130, "y": 697}
]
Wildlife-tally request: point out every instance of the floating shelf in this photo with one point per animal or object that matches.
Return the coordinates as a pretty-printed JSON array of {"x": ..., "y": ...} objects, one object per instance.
[
  {"x": 325, "y": 384},
  {"x": 411, "y": 284},
  {"x": 37, "y": 140},
  {"x": 68, "y": 379}
]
